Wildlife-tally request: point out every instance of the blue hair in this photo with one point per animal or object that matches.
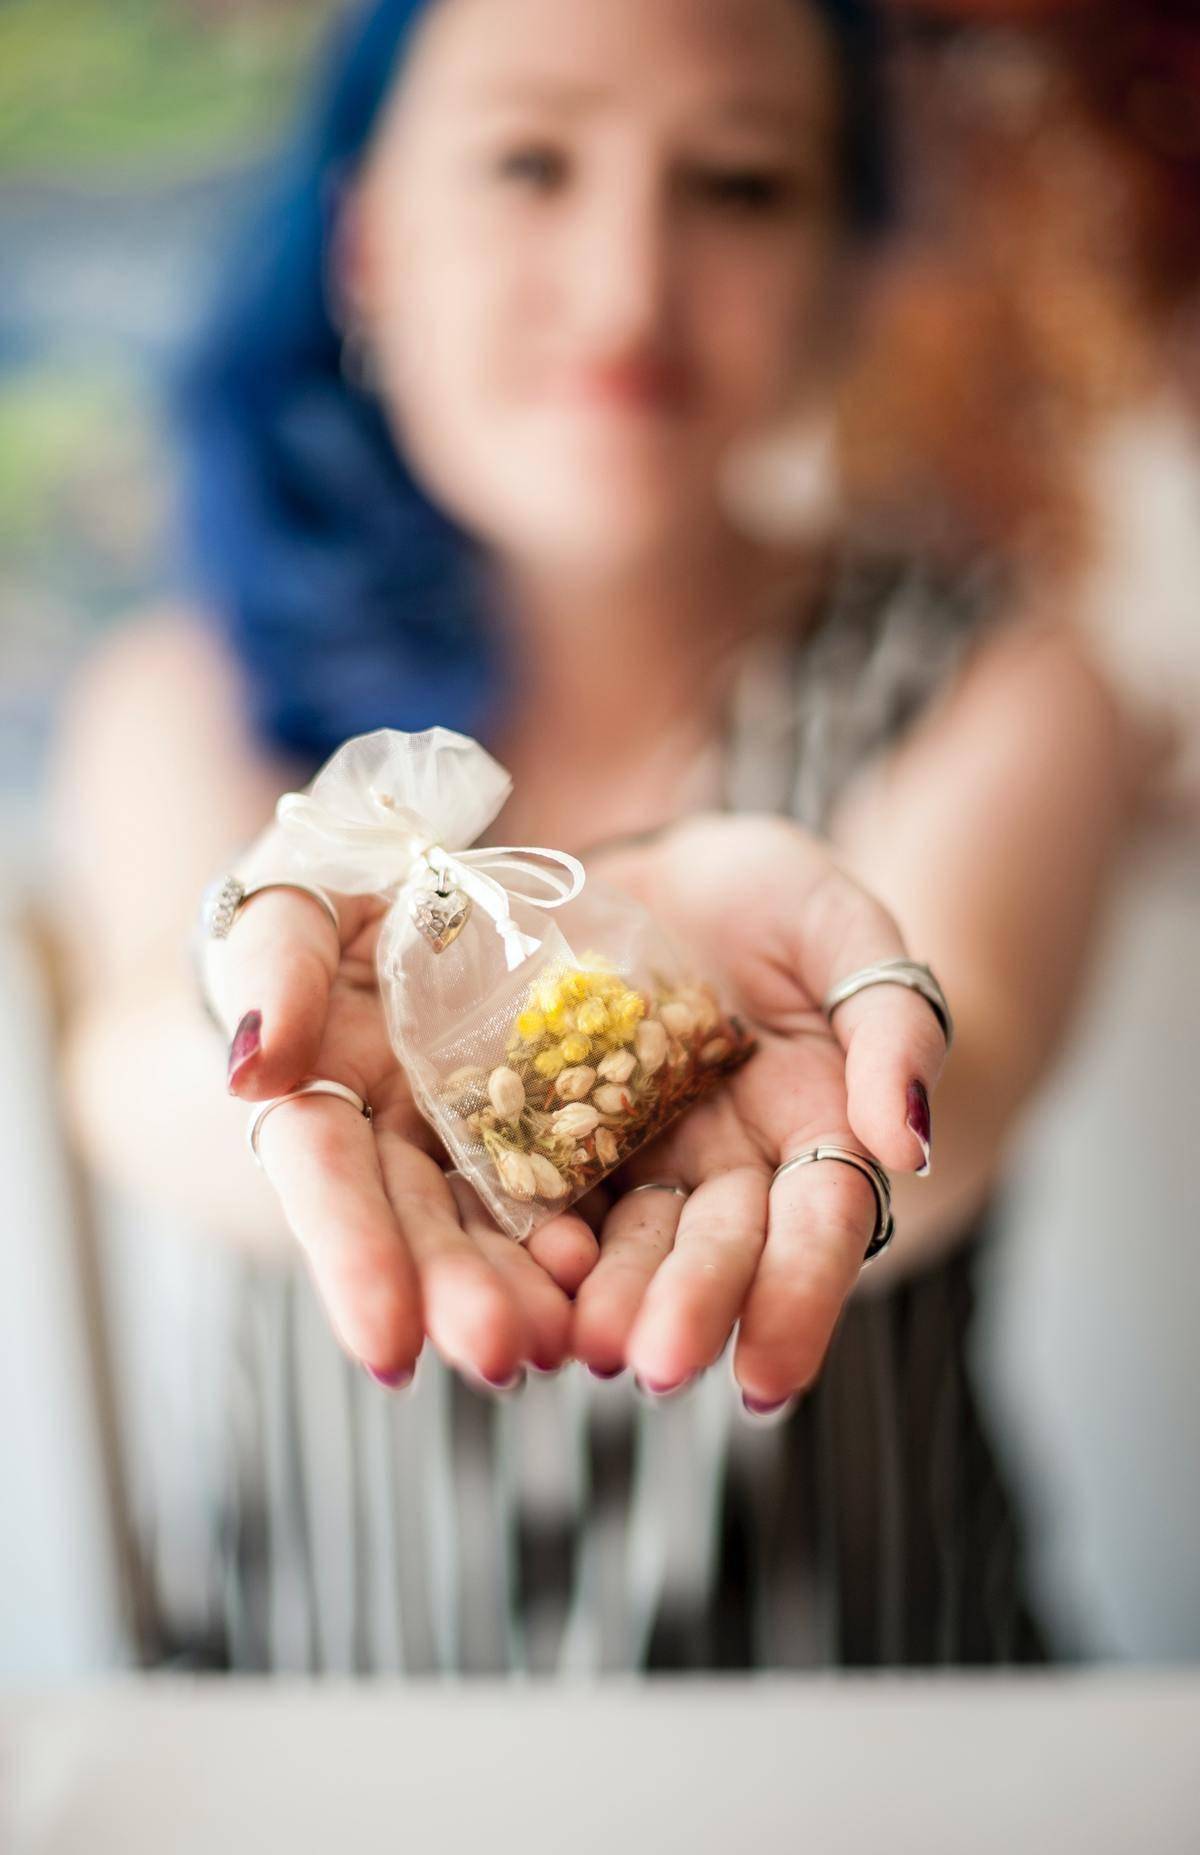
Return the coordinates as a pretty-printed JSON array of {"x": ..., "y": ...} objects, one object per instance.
[{"x": 350, "y": 601}]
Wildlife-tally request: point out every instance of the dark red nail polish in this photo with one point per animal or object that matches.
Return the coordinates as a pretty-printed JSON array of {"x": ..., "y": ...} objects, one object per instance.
[
  {"x": 247, "y": 1042},
  {"x": 763, "y": 1407},
  {"x": 919, "y": 1121},
  {"x": 606, "y": 1371},
  {"x": 392, "y": 1381}
]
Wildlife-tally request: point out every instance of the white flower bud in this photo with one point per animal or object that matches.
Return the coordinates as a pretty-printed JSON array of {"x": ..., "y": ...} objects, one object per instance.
[
  {"x": 577, "y": 1120},
  {"x": 506, "y": 1092},
  {"x": 548, "y": 1179},
  {"x": 650, "y": 1042},
  {"x": 516, "y": 1175}
]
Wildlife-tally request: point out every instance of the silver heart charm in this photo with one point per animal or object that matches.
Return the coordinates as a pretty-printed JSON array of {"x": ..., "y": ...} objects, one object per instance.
[{"x": 441, "y": 915}]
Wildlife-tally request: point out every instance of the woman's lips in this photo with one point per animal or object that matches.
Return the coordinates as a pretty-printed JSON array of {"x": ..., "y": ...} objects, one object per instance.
[{"x": 653, "y": 386}]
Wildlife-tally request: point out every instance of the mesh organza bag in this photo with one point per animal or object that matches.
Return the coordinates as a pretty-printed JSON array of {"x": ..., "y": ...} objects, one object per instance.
[{"x": 543, "y": 1051}]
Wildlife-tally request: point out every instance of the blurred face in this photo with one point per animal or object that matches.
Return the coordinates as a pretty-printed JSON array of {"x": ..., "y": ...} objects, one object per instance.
[{"x": 589, "y": 248}]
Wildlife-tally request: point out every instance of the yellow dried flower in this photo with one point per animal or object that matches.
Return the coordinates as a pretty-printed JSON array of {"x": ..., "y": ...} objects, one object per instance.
[
  {"x": 531, "y": 1025},
  {"x": 575, "y": 1049},
  {"x": 576, "y": 986},
  {"x": 628, "y": 1011},
  {"x": 548, "y": 995},
  {"x": 560, "y": 1019},
  {"x": 550, "y": 1063},
  {"x": 592, "y": 1017}
]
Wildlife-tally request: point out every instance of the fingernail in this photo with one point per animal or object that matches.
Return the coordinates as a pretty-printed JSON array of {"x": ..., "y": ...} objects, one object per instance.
[
  {"x": 765, "y": 1407},
  {"x": 653, "y": 1388},
  {"x": 919, "y": 1123},
  {"x": 391, "y": 1381},
  {"x": 606, "y": 1371},
  {"x": 510, "y": 1383},
  {"x": 247, "y": 1042}
]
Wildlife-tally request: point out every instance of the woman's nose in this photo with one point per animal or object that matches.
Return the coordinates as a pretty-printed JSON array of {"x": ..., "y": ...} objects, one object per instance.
[{"x": 624, "y": 269}]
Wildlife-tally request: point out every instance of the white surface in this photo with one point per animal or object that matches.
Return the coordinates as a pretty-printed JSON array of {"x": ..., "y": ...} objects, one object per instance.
[
  {"x": 60, "y": 1604},
  {"x": 1089, "y": 1351},
  {"x": 1099, "y": 1765}
]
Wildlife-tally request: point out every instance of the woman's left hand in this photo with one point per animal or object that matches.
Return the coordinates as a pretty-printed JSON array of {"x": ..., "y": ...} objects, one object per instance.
[{"x": 768, "y": 913}]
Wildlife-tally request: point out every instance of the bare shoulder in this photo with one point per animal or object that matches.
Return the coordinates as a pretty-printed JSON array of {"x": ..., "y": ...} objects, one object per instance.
[
  {"x": 171, "y": 653},
  {"x": 155, "y": 780}
]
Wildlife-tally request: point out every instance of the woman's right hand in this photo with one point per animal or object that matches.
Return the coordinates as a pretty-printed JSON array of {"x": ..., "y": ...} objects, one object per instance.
[{"x": 395, "y": 1248}]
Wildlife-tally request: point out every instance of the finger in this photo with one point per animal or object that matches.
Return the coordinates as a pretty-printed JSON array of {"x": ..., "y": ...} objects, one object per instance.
[
  {"x": 471, "y": 1313},
  {"x": 695, "y": 1297},
  {"x": 566, "y": 1248},
  {"x": 321, "y": 1158},
  {"x": 820, "y": 1221},
  {"x": 270, "y": 982},
  {"x": 893, "y": 1041},
  {"x": 546, "y": 1308},
  {"x": 637, "y": 1235}
]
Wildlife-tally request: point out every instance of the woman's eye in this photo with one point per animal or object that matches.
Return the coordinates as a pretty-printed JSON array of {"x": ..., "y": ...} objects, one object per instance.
[
  {"x": 742, "y": 190},
  {"x": 542, "y": 169}
]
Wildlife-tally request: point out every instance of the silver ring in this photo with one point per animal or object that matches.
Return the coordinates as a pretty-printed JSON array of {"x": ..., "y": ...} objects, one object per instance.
[
  {"x": 225, "y": 897},
  {"x": 885, "y": 1223},
  {"x": 910, "y": 973},
  {"x": 317, "y": 1086},
  {"x": 656, "y": 1185}
]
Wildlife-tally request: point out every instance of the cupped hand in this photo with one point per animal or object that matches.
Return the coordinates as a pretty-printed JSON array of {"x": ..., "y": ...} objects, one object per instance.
[
  {"x": 396, "y": 1248},
  {"x": 769, "y": 914}
]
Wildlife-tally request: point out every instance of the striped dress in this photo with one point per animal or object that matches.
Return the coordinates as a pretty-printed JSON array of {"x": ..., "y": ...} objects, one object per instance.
[{"x": 577, "y": 1528}]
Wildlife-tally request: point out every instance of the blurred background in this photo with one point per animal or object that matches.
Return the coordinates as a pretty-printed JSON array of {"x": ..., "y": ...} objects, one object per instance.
[{"x": 1045, "y": 294}]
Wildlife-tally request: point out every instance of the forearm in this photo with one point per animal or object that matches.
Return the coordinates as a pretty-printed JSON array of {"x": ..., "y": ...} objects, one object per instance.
[
  {"x": 144, "y": 1092},
  {"x": 997, "y": 839}
]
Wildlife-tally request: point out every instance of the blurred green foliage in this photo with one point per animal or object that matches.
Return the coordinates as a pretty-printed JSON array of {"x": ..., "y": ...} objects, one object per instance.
[{"x": 95, "y": 88}]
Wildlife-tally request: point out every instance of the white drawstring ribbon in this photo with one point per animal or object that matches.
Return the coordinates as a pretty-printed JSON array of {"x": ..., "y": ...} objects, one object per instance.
[
  {"x": 468, "y": 870},
  {"x": 392, "y": 847}
]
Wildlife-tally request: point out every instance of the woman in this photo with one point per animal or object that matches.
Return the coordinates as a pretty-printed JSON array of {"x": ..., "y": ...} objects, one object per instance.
[{"x": 584, "y": 259}]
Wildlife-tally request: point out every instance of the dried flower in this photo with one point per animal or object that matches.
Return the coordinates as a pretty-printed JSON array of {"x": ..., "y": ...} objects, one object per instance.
[
  {"x": 592, "y": 1017},
  {"x": 650, "y": 1042},
  {"x": 576, "y": 1121},
  {"x": 679, "y": 1020},
  {"x": 516, "y": 1174},
  {"x": 706, "y": 1009},
  {"x": 547, "y": 1178},
  {"x": 628, "y": 1009},
  {"x": 607, "y": 1150},
  {"x": 618, "y": 1066},
  {"x": 622, "y": 1062},
  {"x": 506, "y": 1092}
]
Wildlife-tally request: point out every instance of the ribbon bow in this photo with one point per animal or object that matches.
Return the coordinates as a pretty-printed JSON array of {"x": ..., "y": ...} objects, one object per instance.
[
  {"x": 469, "y": 871},
  {"x": 353, "y": 832}
]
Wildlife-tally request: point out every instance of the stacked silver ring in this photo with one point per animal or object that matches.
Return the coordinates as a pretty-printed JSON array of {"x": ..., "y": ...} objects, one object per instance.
[
  {"x": 885, "y": 1223},
  {"x": 908, "y": 973},
  {"x": 316, "y": 1086},
  {"x": 220, "y": 905},
  {"x": 227, "y": 895}
]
